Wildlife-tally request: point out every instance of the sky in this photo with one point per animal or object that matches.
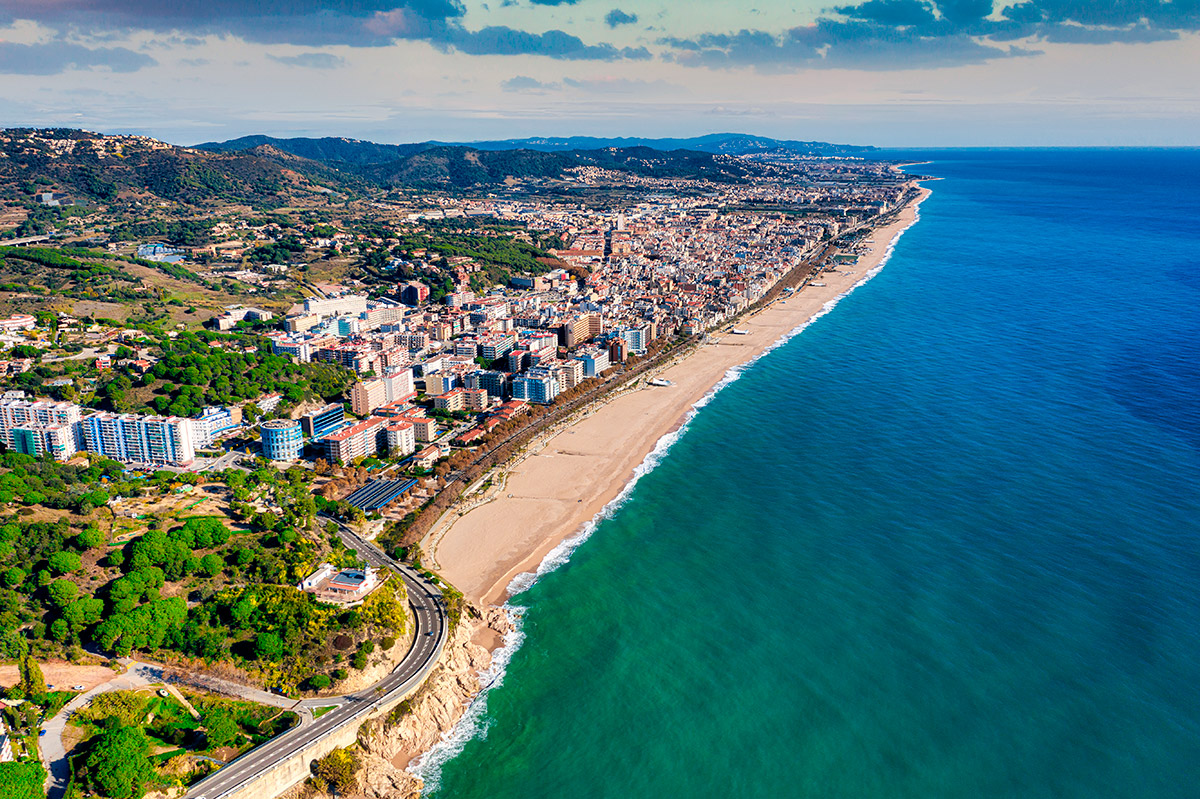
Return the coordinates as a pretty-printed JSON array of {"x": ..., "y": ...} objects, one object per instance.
[{"x": 893, "y": 73}]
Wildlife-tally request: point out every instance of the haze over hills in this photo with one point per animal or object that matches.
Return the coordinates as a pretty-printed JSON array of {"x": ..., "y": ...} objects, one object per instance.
[{"x": 357, "y": 151}]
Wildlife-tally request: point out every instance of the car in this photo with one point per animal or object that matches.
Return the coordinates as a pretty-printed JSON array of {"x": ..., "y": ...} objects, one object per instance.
[
  {"x": 77, "y": 688},
  {"x": 41, "y": 733},
  {"x": 429, "y": 633}
]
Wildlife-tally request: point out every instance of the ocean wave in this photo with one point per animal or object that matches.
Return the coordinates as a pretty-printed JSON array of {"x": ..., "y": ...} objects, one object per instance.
[{"x": 473, "y": 723}]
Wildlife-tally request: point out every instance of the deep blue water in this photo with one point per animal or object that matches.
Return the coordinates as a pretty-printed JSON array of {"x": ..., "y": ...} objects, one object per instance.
[{"x": 942, "y": 544}]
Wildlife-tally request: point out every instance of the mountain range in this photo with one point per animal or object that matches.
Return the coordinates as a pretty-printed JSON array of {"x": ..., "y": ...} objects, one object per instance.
[
  {"x": 266, "y": 172},
  {"x": 357, "y": 151}
]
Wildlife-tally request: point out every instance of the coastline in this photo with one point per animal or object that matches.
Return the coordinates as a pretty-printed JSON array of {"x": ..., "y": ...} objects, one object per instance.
[{"x": 549, "y": 501}]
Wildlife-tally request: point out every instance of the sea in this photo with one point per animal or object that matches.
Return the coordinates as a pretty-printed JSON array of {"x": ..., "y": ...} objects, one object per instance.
[{"x": 944, "y": 542}]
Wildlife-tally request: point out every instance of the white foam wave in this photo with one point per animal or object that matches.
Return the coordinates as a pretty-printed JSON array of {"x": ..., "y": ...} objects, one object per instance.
[{"x": 473, "y": 723}]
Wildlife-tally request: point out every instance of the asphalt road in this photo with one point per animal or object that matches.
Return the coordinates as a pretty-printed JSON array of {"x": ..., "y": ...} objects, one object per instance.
[{"x": 432, "y": 630}]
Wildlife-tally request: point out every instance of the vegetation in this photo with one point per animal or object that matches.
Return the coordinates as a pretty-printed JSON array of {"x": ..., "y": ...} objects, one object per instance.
[
  {"x": 22, "y": 781},
  {"x": 192, "y": 373},
  {"x": 63, "y": 589},
  {"x": 338, "y": 771},
  {"x": 118, "y": 763}
]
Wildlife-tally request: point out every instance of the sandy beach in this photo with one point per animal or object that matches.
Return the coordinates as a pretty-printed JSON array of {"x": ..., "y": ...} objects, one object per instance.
[{"x": 567, "y": 478}]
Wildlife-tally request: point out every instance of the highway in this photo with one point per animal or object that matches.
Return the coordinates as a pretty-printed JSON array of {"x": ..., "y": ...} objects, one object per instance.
[{"x": 432, "y": 630}]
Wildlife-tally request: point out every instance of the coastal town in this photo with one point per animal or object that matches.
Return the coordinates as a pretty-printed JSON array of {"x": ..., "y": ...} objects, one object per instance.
[
  {"x": 434, "y": 375},
  {"x": 326, "y": 410}
]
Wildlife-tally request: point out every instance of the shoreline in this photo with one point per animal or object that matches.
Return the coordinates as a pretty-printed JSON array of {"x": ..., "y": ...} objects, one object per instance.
[{"x": 567, "y": 482}]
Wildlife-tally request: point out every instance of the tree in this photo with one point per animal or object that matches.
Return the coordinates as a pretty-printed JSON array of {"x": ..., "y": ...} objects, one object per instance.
[
  {"x": 22, "y": 781},
  {"x": 65, "y": 562},
  {"x": 318, "y": 682},
  {"x": 89, "y": 538},
  {"x": 268, "y": 646},
  {"x": 63, "y": 592},
  {"x": 220, "y": 729},
  {"x": 211, "y": 564},
  {"x": 32, "y": 681},
  {"x": 118, "y": 766}
]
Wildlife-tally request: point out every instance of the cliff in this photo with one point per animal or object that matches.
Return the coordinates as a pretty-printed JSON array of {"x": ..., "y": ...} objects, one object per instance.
[{"x": 386, "y": 745}]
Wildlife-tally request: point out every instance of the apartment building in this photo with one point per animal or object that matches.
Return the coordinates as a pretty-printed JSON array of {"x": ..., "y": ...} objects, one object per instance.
[
  {"x": 132, "y": 438},
  {"x": 357, "y": 440},
  {"x": 37, "y": 417},
  {"x": 401, "y": 437},
  {"x": 453, "y": 400},
  {"x": 536, "y": 385}
]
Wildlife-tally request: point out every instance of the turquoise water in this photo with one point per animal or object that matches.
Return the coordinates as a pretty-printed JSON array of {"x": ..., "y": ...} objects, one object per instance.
[{"x": 943, "y": 543}]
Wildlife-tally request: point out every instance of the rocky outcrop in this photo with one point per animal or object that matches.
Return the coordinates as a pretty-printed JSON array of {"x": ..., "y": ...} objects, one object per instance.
[{"x": 386, "y": 745}]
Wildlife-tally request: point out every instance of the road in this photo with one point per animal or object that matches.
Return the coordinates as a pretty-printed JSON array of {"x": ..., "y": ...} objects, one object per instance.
[{"x": 432, "y": 630}]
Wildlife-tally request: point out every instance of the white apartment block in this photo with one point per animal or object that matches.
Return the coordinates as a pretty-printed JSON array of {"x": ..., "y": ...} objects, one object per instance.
[{"x": 130, "y": 438}]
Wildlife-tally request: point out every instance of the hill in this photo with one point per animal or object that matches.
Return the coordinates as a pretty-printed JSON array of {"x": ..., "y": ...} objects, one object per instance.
[
  {"x": 359, "y": 152},
  {"x": 96, "y": 168},
  {"x": 460, "y": 167},
  {"x": 328, "y": 149},
  {"x": 128, "y": 174}
]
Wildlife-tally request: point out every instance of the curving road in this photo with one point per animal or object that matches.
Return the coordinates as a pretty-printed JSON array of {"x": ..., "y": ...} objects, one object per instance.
[{"x": 433, "y": 628}]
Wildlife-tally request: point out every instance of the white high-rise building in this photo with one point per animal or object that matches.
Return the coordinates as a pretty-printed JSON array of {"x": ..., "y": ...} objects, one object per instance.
[
  {"x": 130, "y": 438},
  {"x": 35, "y": 427}
]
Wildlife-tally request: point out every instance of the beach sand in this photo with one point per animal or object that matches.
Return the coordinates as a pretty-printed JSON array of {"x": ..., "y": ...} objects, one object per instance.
[{"x": 568, "y": 478}]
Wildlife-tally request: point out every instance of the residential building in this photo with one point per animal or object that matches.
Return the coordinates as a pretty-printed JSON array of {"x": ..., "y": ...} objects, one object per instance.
[
  {"x": 367, "y": 395},
  {"x": 414, "y": 293},
  {"x": 496, "y": 346},
  {"x": 357, "y": 440},
  {"x": 213, "y": 422},
  {"x": 495, "y": 383},
  {"x": 350, "y": 304},
  {"x": 300, "y": 350},
  {"x": 131, "y": 438},
  {"x": 453, "y": 400},
  {"x": 56, "y": 440},
  {"x": 401, "y": 437},
  {"x": 477, "y": 399},
  {"x": 637, "y": 338},
  {"x": 536, "y": 385},
  {"x": 37, "y": 414},
  {"x": 440, "y": 383},
  {"x": 595, "y": 361},
  {"x": 569, "y": 373}
]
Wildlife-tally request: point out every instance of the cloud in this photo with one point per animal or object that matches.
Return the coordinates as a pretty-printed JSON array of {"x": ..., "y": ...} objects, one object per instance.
[
  {"x": 923, "y": 34},
  {"x": 891, "y": 12},
  {"x": 618, "y": 17},
  {"x": 828, "y": 44},
  {"x": 315, "y": 23},
  {"x": 310, "y": 60},
  {"x": 52, "y": 58},
  {"x": 524, "y": 83},
  {"x": 502, "y": 40}
]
